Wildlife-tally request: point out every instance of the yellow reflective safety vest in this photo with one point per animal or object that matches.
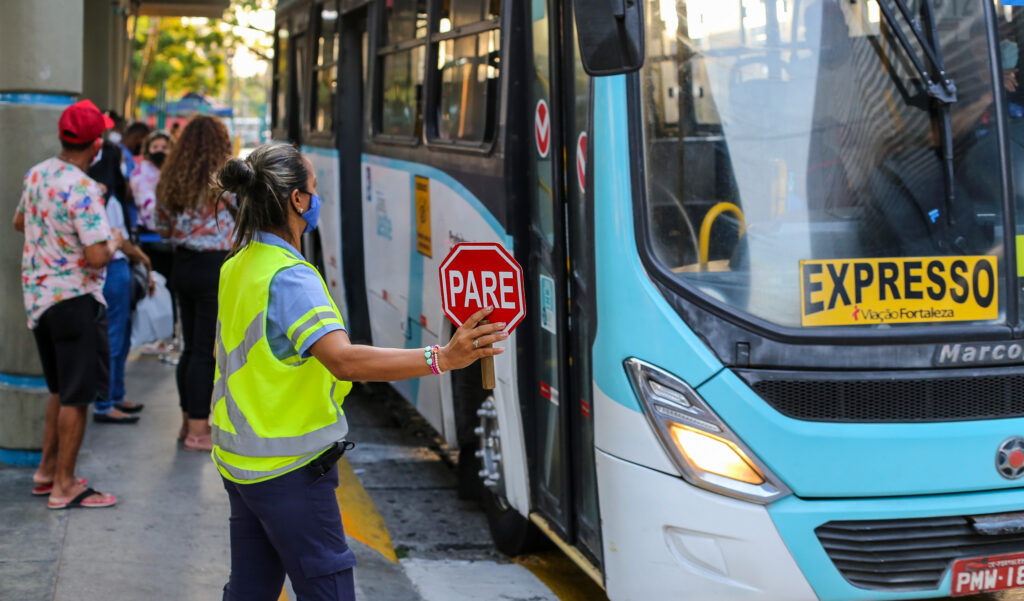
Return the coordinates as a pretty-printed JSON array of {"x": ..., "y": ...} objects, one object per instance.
[{"x": 270, "y": 417}]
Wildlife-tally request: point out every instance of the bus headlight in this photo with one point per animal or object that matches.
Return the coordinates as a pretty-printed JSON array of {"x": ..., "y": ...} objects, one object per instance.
[{"x": 707, "y": 452}]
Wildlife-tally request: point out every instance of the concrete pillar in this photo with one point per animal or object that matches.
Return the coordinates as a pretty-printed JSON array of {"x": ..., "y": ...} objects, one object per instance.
[
  {"x": 104, "y": 53},
  {"x": 40, "y": 74}
]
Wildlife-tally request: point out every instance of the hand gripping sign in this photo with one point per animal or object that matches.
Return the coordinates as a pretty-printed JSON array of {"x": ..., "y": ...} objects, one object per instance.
[{"x": 476, "y": 275}]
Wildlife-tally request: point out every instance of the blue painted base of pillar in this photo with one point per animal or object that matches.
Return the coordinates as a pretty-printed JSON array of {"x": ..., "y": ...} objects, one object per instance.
[{"x": 17, "y": 457}]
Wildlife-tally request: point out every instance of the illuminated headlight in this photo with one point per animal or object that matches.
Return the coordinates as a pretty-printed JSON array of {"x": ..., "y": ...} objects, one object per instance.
[{"x": 706, "y": 451}]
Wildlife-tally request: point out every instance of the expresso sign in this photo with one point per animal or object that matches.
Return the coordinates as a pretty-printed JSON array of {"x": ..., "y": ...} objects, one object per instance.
[{"x": 852, "y": 292}]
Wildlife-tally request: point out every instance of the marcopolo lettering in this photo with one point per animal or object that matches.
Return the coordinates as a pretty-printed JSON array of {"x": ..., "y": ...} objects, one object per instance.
[
  {"x": 978, "y": 353},
  {"x": 898, "y": 290}
]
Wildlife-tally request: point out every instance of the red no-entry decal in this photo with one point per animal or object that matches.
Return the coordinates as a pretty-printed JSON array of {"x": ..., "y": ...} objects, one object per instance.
[
  {"x": 542, "y": 128},
  {"x": 581, "y": 161}
]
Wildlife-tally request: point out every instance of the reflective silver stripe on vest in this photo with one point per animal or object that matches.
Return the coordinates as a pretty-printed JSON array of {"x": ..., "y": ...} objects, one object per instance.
[
  {"x": 234, "y": 360},
  {"x": 246, "y": 442},
  {"x": 309, "y": 323},
  {"x": 240, "y": 474},
  {"x": 249, "y": 444}
]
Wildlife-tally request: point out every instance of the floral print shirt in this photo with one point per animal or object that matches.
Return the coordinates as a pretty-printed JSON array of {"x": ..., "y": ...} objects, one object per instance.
[
  {"x": 143, "y": 182},
  {"x": 64, "y": 213},
  {"x": 207, "y": 227}
]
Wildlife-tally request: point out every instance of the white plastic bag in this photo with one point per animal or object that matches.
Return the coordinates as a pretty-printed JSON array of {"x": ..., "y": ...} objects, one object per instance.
[{"x": 153, "y": 318}]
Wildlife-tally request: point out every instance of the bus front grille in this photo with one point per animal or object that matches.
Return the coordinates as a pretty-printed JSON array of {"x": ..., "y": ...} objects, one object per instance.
[
  {"x": 907, "y": 555},
  {"x": 891, "y": 397}
]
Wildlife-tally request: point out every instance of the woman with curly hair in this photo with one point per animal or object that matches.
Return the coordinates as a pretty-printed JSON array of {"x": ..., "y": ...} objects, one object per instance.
[{"x": 199, "y": 222}]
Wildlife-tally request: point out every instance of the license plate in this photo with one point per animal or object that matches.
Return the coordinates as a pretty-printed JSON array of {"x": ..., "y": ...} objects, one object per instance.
[{"x": 988, "y": 574}]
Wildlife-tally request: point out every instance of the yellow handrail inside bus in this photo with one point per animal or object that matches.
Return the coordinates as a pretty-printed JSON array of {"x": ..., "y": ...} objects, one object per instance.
[{"x": 709, "y": 220}]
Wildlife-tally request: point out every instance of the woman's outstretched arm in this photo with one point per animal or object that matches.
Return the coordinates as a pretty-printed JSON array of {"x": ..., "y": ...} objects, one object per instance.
[{"x": 361, "y": 363}]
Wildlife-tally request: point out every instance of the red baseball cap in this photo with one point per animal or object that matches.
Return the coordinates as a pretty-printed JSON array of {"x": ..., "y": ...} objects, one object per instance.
[{"x": 82, "y": 123}]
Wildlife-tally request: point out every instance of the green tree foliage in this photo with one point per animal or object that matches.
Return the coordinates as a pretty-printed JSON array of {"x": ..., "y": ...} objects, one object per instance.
[{"x": 185, "y": 55}]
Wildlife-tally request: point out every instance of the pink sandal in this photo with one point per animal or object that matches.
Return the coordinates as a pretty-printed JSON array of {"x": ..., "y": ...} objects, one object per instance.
[
  {"x": 45, "y": 489},
  {"x": 88, "y": 498}
]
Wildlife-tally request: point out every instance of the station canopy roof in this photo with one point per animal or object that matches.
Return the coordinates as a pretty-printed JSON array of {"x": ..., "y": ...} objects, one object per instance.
[
  {"x": 213, "y": 9},
  {"x": 193, "y": 104}
]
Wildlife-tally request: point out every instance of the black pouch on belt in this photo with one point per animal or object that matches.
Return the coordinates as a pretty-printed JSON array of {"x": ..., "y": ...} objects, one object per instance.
[{"x": 323, "y": 464}]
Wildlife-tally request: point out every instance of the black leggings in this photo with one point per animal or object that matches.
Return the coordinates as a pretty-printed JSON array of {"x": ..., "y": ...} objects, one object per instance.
[
  {"x": 195, "y": 276},
  {"x": 162, "y": 258}
]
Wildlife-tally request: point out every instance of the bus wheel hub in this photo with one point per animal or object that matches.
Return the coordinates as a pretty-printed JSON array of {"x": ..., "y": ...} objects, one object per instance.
[{"x": 489, "y": 452}]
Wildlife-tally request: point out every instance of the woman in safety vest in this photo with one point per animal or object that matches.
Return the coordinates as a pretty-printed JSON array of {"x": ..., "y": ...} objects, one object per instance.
[{"x": 284, "y": 366}]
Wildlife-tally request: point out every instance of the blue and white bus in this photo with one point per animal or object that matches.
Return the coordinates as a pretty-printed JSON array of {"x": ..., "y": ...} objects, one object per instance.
[{"x": 774, "y": 345}]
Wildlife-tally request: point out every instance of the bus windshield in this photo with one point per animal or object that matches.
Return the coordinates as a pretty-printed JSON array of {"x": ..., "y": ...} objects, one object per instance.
[{"x": 795, "y": 163}]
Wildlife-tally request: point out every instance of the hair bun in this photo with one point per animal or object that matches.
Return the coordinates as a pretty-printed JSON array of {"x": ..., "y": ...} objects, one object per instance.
[{"x": 237, "y": 176}]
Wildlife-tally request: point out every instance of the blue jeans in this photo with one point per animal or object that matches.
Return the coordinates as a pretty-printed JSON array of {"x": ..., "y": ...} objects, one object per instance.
[{"x": 117, "y": 292}]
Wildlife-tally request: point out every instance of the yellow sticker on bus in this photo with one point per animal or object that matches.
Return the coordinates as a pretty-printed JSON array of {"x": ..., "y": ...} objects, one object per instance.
[{"x": 850, "y": 292}]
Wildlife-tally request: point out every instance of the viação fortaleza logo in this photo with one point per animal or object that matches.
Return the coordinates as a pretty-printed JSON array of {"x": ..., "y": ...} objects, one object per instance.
[{"x": 901, "y": 314}]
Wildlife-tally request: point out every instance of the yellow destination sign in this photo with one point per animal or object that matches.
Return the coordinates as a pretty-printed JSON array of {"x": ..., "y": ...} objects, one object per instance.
[{"x": 852, "y": 292}]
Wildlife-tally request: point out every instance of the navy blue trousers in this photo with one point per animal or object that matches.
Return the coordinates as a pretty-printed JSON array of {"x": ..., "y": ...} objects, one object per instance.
[{"x": 289, "y": 525}]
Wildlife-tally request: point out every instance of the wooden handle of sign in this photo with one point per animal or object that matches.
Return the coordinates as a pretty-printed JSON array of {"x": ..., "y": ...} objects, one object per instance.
[{"x": 487, "y": 367}]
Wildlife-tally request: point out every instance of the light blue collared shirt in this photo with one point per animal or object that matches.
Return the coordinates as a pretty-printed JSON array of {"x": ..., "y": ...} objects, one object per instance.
[{"x": 294, "y": 292}]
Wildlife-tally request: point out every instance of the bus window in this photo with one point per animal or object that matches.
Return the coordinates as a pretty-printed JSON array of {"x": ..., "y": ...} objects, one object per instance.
[
  {"x": 404, "y": 20},
  {"x": 402, "y": 55},
  {"x": 466, "y": 12},
  {"x": 280, "y": 119},
  {"x": 780, "y": 133},
  {"x": 468, "y": 67},
  {"x": 326, "y": 87},
  {"x": 300, "y": 41}
]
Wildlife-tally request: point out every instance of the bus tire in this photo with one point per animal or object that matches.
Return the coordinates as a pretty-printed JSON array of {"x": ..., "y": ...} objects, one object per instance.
[
  {"x": 513, "y": 533},
  {"x": 469, "y": 485}
]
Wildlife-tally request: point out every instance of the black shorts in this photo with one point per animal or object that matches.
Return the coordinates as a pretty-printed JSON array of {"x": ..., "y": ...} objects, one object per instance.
[{"x": 75, "y": 350}]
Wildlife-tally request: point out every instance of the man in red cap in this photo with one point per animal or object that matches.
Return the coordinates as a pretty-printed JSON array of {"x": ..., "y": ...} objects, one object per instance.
[{"x": 68, "y": 244}]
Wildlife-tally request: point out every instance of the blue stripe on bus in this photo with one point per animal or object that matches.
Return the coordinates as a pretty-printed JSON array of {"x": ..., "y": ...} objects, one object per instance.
[
  {"x": 797, "y": 518},
  {"x": 37, "y": 99},
  {"x": 415, "y": 305},
  {"x": 20, "y": 458},
  {"x": 634, "y": 319},
  {"x": 456, "y": 187},
  {"x": 331, "y": 153},
  {"x": 33, "y": 383}
]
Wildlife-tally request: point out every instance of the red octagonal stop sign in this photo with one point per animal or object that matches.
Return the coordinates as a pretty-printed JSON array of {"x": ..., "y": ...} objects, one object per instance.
[{"x": 475, "y": 275}]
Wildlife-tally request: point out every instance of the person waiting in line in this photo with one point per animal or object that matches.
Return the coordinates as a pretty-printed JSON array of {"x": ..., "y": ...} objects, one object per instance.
[
  {"x": 284, "y": 366},
  {"x": 119, "y": 136},
  {"x": 134, "y": 136},
  {"x": 106, "y": 170},
  {"x": 198, "y": 221},
  {"x": 68, "y": 243},
  {"x": 143, "y": 186}
]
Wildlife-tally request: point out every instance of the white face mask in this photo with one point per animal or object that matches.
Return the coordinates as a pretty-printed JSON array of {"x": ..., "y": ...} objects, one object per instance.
[{"x": 114, "y": 137}]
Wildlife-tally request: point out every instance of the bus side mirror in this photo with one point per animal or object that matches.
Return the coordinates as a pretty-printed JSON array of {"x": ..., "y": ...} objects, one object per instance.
[{"x": 611, "y": 35}]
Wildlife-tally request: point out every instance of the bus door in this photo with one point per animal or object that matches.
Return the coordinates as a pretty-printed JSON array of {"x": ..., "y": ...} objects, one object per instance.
[
  {"x": 564, "y": 489},
  {"x": 352, "y": 74}
]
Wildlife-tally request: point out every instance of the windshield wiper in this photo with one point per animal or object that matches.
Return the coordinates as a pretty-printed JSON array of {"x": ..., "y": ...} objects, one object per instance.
[{"x": 940, "y": 88}]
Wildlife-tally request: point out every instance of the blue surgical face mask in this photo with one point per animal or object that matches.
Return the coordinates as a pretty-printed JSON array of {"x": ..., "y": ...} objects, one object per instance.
[
  {"x": 312, "y": 216},
  {"x": 1008, "y": 54}
]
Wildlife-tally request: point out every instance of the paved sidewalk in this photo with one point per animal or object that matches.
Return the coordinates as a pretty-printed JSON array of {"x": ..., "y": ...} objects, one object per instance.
[{"x": 167, "y": 539}]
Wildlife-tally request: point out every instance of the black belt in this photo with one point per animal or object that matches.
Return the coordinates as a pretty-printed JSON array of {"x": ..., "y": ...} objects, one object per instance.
[{"x": 325, "y": 462}]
